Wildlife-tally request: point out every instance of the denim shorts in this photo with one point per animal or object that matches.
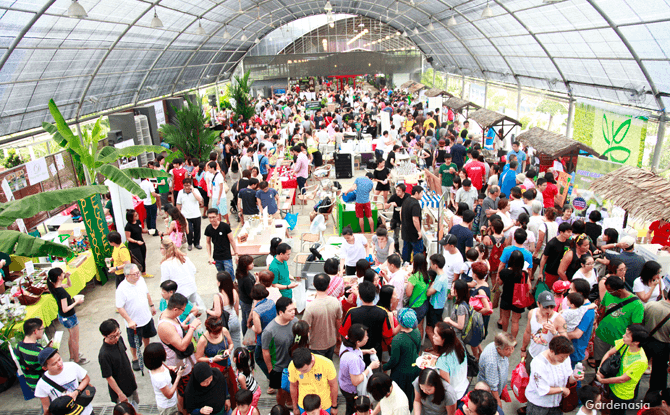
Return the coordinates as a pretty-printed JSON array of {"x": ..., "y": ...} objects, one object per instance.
[{"x": 68, "y": 322}]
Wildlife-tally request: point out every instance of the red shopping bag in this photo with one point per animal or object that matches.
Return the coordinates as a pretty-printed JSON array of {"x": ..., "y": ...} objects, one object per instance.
[
  {"x": 519, "y": 382},
  {"x": 521, "y": 297},
  {"x": 504, "y": 395},
  {"x": 477, "y": 303}
]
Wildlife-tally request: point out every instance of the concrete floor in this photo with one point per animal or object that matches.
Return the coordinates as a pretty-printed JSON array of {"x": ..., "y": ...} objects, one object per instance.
[{"x": 99, "y": 306}]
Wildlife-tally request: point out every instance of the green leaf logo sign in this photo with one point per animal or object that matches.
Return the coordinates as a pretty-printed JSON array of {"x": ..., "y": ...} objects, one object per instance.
[{"x": 615, "y": 151}]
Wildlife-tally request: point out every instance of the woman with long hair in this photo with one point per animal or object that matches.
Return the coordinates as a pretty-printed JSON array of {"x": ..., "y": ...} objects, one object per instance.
[
  {"x": 388, "y": 300},
  {"x": 228, "y": 299},
  {"x": 274, "y": 243},
  {"x": 136, "y": 243},
  {"x": 586, "y": 270},
  {"x": 245, "y": 282},
  {"x": 649, "y": 285},
  {"x": 433, "y": 395},
  {"x": 451, "y": 364},
  {"x": 177, "y": 227},
  {"x": 460, "y": 315},
  {"x": 352, "y": 367},
  {"x": 417, "y": 287},
  {"x": 66, "y": 314},
  {"x": 215, "y": 345},
  {"x": 178, "y": 267},
  {"x": 521, "y": 222},
  {"x": 481, "y": 289},
  {"x": 580, "y": 245},
  {"x": 508, "y": 277},
  {"x": 457, "y": 218}
]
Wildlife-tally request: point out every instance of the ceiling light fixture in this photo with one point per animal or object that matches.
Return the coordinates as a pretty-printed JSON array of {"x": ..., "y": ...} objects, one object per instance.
[
  {"x": 156, "y": 23},
  {"x": 487, "y": 11},
  {"x": 257, "y": 41},
  {"x": 430, "y": 25},
  {"x": 405, "y": 33},
  {"x": 243, "y": 38},
  {"x": 452, "y": 22},
  {"x": 76, "y": 10},
  {"x": 200, "y": 31},
  {"x": 328, "y": 7},
  {"x": 226, "y": 35},
  {"x": 416, "y": 30},
  {"x": 331, "y": 24}
]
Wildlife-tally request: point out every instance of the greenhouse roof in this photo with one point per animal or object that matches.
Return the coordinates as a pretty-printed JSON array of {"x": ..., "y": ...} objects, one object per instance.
[{"x": 612, "y": 50}]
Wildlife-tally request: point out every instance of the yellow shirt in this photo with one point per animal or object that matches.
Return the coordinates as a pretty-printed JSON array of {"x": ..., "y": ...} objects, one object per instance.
[
  {"x": 408, "y": 125},
  {"x": 120, "y": 255},
  {"x": 429, "y": 122},
  {"x": 315, "y": 381}
]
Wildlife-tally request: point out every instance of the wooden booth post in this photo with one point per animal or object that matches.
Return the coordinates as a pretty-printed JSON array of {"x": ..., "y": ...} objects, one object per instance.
[{"x": 96, "y": 228}]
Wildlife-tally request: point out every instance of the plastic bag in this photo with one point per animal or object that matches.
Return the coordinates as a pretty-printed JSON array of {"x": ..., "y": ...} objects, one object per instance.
[
  {"x": 520, "y": 381},
  {"x": 477, "y": 303},
  {"x": 300, "y": 297},
  {"x": 521, "y": 297},
  {"x": 504, "y": 395},
  {"x": 249, "y": 338},
  {"x": 292, "y": 220}
]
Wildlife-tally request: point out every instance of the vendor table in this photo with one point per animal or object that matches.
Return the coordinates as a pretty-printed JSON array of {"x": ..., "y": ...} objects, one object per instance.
[
  {"x": 346, "y": 215},
  {"x": 46, "y": 307},
  {"x": 259, "y": 244},
  {"x": 286, "y": 178},
  {"x": 138, "y": 205}
]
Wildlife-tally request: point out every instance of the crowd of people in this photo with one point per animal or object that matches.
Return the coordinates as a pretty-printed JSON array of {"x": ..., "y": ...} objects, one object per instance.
[{"x": 384, "y": 303}]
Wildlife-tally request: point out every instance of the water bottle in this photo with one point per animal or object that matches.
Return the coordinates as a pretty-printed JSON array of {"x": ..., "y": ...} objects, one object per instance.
[{"x": 579, "y": 369}]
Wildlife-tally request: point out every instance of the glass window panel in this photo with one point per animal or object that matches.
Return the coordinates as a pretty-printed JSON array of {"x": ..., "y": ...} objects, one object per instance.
[{"x": 649, "y": 41}]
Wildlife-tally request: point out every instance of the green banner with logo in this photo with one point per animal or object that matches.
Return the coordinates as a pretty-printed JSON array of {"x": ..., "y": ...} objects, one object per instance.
[
  {"x": 93, "y": 216},
  {"x": 618, "y": 137}
]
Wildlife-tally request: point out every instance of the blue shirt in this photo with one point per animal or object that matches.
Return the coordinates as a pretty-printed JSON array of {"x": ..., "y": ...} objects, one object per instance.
[
  {"x": 363, "y": 189},
  {"x": 438, "y": 299},
  {"x": 586, "y": 326},
  {"x": 263, "y": 165},
  {"x": 508, "y": 182},
  {"x": 507, "y": 252},
  {"x": 520, "y": 157},
  {"x": 490, "y": 135},
  {"x": 268, "y": 200}
]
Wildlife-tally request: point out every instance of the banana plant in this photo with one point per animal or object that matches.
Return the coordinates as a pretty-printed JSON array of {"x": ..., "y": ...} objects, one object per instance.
[{"x": 84, "y": 149}]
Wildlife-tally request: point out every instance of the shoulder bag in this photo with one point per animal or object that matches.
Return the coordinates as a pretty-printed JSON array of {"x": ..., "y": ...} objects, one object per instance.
[
  {"x": 602, "y": 313},
  {"x": 134, "y": 260},
  {"x": 659, "y": 325},
  {"x": 612, "y": 365},
  {"x": 84, "y": 398}
]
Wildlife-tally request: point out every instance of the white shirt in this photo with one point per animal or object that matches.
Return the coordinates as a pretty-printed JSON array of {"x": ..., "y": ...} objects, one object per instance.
[
  {"x": 397, "y": 279},
  {"x": 182, "y": 274},
  {"x": 398, "y": 120},
  {"x": 639, "y": 287},
  {"x": 453, "y": 265},
  {"x": 159, "y": 381},
  {"x": 591, "y": 278},
  {"x": 190, "y": 207},
  {"x": 69, "y": 379},
  {"x": 245, "y": 162},
  {"x": 148, "y": 189},
  {"x": 544, "y": 375},
  {"x": 133, "y": 299},
  {"x": 353, "y": 252},
  {"x": 216, "y": 185},
  {"x": 396, "y": 403},
  {"x": 516, "y": 208}
]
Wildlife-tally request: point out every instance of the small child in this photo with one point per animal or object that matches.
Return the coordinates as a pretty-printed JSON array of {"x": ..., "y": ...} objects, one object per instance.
[
  {"x": 169, "y": 287},
  {"x": 560, "y": 289},
  {"x": 312, "y": 405},
  {"x": 477, "y": 208},
  {"x": 279, "y": 410},
  {"x": 165, "y": 389},
  {"x": 471, "y": 255},
  {"x": 244, "y": 375},
  {"x": 362, "y": 405},
  {"x": 574, "y": 314},
  {"x": 590, "y": 396},
  {"x": 244, "y": 398}
]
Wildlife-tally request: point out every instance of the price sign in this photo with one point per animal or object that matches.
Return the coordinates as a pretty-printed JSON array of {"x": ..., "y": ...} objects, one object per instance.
[
  {"x": 579, "y": 203},
  {"x": 30, "y": 267}
]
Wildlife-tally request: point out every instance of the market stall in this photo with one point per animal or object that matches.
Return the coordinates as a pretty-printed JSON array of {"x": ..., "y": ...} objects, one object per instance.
[
  {"x": 552, "y": 146},
  {"x": 461, "y": 106},
  {"x": 282, "y": 177},
  {"x": 346, "y": 215},
  {"x": 491, "y": 119}
]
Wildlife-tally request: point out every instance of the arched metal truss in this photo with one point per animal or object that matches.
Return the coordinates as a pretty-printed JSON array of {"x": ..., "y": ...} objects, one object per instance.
[{"x": 607, "y": 49}]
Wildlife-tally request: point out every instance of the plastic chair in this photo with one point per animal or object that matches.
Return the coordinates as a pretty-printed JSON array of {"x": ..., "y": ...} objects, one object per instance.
[{"x": 310, "y": 193}]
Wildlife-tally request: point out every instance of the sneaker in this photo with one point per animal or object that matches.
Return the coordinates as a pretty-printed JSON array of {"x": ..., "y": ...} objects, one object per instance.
[
  {"x": 190, "y": 247},
  {"x": 82, "y": 361},
  {"x": 136, "y": 365},
  {"x": 198, "y": 247}
]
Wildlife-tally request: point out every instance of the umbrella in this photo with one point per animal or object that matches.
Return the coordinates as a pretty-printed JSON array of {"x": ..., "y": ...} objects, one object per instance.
[{"x": 138, "y": 347}]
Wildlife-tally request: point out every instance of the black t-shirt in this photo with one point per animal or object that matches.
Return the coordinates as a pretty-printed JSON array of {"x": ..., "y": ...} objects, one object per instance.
[
  {"x": 114, "y": 362},
  {"x": 249, "y": 206},
  {"x": 390, "y": 157},
  {"x": 593, "y": 231},
  {"x": 220, "y": 241},
  {"x": 509, "y": 279},
  {"x": 245, "y": 286},
  {"x": 374, "y": 318},
  {"x": 398, "y": 202},
  {"x": 411, "y": 208},
  {"x": 243, "y": 183},
  {"x": 554, "y": 252},
  {"x": 135, "y": 232},
  {"x": 60, "y": 293},
  {"x": 382, "y": 175}
]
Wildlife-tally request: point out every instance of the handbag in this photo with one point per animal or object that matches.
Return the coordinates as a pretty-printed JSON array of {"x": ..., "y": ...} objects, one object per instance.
[
  {"x": 569, "y": 403},
  {"x": 612, "y": 365},
  {"x": 134, "y": 260},
  {"x": 659, "y": 325},
  {"x": 84, "y": 398},
  {"x": 521, "y": 297}
]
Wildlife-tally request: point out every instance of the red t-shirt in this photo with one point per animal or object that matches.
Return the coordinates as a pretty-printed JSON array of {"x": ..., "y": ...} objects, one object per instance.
[
  {"x": 178, "y": 177},
  {"x": 661, "y": 233},
  {"x": 476, "y": 171},
  {"x": 548, "y": 195}
]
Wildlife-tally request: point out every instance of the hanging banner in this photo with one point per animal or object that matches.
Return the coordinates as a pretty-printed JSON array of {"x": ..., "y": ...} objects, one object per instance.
[
  {"x": 96, "y": 228},
  {"x": 618, "y": 137},
  {"x": 37, "y": 171},
  {"x": 563, "y": 183}
]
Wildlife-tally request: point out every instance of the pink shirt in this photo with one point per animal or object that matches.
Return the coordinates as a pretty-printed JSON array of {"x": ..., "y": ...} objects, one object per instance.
[{"x": 301, "y": 166}]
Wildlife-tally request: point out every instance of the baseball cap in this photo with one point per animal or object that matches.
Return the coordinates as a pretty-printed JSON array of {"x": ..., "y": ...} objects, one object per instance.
[
  {"x": 45, "y": 354},
  {"x": 65, "y": 405},
  {"x": 449, "y": 239},
  {"x": 546, "y": 299},
  {"x": 560, "y": 286},
  {"x": 627, "y": 240}
]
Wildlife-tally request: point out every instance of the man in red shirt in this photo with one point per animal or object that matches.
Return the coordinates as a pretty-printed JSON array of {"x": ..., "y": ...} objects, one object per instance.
[
  {"x": 476, "y": 170},
  {"x": 661, "y": 231},
  {"x": 178, "y": 173}
]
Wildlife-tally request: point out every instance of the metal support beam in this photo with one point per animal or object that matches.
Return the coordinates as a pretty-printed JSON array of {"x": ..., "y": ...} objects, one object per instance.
[
  {"x": 462, "y": 86},
  {"x": 660, "y": 137},
  {"x": 486, "y": 91},
  {"x": 571, "y": 115},
  {"x": 518, "y": 106}
]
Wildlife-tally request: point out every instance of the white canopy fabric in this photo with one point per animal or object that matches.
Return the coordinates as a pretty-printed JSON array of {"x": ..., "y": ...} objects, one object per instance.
[{"x": 614, "y": 50}]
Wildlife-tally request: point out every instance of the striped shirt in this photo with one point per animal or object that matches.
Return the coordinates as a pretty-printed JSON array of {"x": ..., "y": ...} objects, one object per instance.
[{"x": 27, "y": 354}]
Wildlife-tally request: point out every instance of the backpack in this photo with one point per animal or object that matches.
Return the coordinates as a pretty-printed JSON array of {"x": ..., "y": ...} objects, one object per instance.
[
  {"x": 473, "y": 332},
  {"x": 496, "y": 252}
]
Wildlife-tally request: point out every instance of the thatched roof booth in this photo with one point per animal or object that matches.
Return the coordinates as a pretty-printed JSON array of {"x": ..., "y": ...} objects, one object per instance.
[
  {"x": 487, "y": 119},
  {"x": 553, "y": 144},
  {"x": 643, "y": 193},
  {"x": 461, "y": 106},
  {"x": 416, "y": 87},
  {"x": 436, "y": 92},
  {"x": 407, "y": 84}
]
